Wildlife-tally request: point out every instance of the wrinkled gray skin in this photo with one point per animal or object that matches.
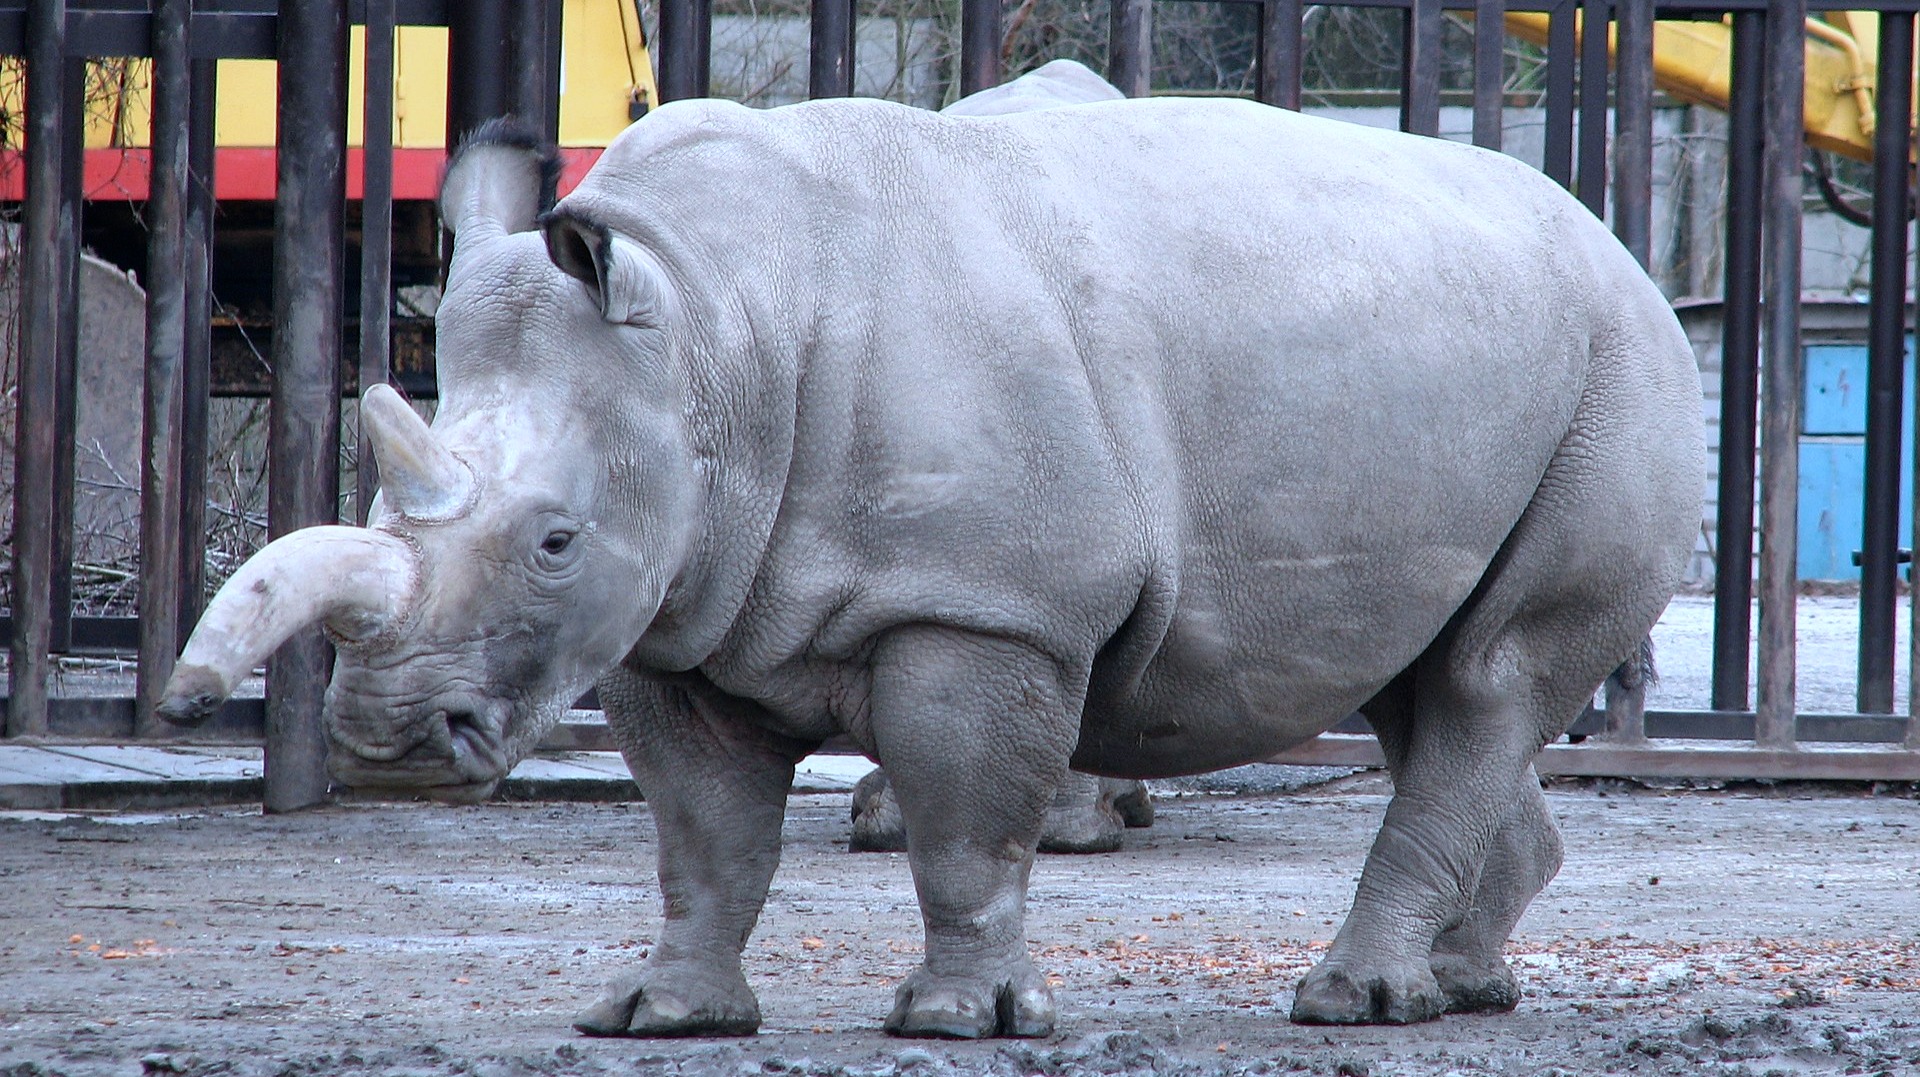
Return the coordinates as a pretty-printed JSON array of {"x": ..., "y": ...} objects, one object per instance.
[
  {"x": 1088, "y": 814},
  {"x": 1146, "y": 437}
]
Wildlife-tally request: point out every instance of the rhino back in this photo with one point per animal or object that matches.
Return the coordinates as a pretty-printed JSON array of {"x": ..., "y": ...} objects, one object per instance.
[{"x": 1226, "y": 407}]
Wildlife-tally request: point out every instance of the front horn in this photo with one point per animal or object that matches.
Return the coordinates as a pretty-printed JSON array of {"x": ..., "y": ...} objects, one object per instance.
[
  {"x": 419, "y": 478},
  {"x": 357, "y": 581}
]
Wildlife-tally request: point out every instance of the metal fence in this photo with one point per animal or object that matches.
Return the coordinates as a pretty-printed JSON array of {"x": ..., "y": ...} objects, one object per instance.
[{"x": 503, "y": 56}]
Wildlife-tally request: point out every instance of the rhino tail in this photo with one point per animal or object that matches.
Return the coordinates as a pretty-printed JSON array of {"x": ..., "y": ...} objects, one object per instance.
[{"x": 1637, "y": 672}]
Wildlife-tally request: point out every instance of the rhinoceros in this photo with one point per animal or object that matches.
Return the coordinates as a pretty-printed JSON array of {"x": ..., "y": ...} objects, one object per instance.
[{"x": 1145, "y": 437}]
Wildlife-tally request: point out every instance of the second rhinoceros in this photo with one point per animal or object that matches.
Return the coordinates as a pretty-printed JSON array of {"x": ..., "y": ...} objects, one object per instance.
[{"x": 1143, "y": 437}]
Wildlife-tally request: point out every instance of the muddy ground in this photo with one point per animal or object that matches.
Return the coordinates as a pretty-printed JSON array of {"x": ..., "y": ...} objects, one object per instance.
[{"x": 1720, "y": 932}]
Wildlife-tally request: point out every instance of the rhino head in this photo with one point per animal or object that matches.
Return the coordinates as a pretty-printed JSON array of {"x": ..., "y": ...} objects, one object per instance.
[{"x": 521, "y": 544}]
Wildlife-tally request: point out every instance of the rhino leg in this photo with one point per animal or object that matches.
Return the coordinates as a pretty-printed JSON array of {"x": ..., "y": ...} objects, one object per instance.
[
  {"x": 1466, "y": 960},
  {"x": 1466, "y": 957},
  {"x": 717, "y": 791},
  {"x": 877, "y": 825},
  {"x": 975, "y": 732},
  {"x": 1130, "y": 798},
  {"x": 1466, "y": 842},
  {"x": 1081, "y": 819},
  {"x": 1088, "y": 815}
]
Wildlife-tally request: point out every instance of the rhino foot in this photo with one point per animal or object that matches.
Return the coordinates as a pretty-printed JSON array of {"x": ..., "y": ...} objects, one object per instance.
[
  {"x": 950, "y": 1007},
  {"x": 878, "y": 826},
  {"x": 1474, "y": 986},
  {"x": 1081, "y": 828},
  {"x": 673, "y": 1002},
  {"x": 1392, "y": 996},
  {"x": 1132, "y": 800}
]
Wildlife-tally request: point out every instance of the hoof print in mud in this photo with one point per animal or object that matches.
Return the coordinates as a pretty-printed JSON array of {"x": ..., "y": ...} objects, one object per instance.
[
  {"x": 642, "y": 1007},
  {"x": 1337, "y": 997},
  {"x": 942, "y": 1007}
]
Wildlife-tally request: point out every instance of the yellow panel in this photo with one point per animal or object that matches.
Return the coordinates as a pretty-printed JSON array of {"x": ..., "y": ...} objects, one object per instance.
[
  {"x": 243, "y": 108},
  {"x": 604, "y": 64},
  {"x": 420, "y": 87},
  {"x": 1692, "y": 61}
]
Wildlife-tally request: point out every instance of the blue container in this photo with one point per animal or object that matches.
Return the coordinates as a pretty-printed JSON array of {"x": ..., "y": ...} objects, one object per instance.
[{"x": 1833, "y": 460}]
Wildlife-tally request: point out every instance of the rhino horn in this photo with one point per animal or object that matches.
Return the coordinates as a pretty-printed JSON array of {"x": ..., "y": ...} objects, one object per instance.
[
  {"x": 419, "y": 477},
  {"x": 359, "y": 582}
]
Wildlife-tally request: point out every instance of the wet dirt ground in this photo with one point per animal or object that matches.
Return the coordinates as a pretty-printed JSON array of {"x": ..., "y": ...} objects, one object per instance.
[{"x": 1721, "y": 932}]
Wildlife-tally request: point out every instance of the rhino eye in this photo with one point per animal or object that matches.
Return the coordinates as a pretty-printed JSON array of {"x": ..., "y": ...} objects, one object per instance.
[{"x": 556, "y": 543}]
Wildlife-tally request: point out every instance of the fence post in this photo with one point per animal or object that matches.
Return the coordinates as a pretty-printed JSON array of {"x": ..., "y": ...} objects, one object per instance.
[
  {"x": 73, "y": 149},
  {"x": 1739, "y": 365},
  {"x": 1420, "y": 68},
  {"x": 830, "y": 65},
  {"x": 195, "y": 372},
  {"x": 1130, "y": 46},
  {"x": 1780, "y": 406},
  {"x": 1280, "y": 50},
  {"x": 166, "y": 341},
  {"x": 1633, "y": 129},
  {"x": 686, "y": 49},
  {"x": 1886, "y": 363},
  {"x": 304, "y": 450},
  {"x": 1592, "y": 186},
  {"x": 45, "y": 232},
  {"x": 536, "y": 64},
  {"x": 376, "y": 234},
  {"x": 1562, "y": 67},
  {"x": 1489, "y": 72},
  {"x": 479, "y": 48},
  {"x": 980, "y": 45}
]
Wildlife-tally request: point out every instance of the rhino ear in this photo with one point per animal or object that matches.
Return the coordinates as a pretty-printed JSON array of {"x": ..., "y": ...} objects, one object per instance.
[
  {"x": 622, "y": 278},
  {"x": 500, "y": 180}
]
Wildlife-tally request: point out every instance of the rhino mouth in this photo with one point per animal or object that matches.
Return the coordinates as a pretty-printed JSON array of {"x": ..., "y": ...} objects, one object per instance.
[{"x": 452, "y": 747}]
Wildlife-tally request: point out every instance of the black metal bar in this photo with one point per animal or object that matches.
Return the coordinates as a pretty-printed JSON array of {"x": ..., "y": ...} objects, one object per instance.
[
  {"x": 376, "y": 234},
  {"x": 1420, "y": 68},
  {"x": 980, "y": 44},
  {"x": 1280, "y": 51},
  {"x": 1633, "y": 129},
  {"x": 46, "y": 230},
  {"x": 1130, "y": 46},
  {"x": 197, "y": 360},
  {"x": 159, "y": 587},
  {"x": 1562, "y": 66},
  {"x": 1886, "y": 362},
  {"x": 535, "y": 64},
  {"x": 1489, "y": 72},
  {"x": 1592, "y": 185},
  {"x": 686, "y": 49},
  {"x": 1781, "y": 373},
  {"x": 479, "y": 52},
  {"x": 1739, "y": 366},
  {"x": 830, "y": 58},
  {"x": 73, "y": 146},
  {"x": 304, "y": 447}
]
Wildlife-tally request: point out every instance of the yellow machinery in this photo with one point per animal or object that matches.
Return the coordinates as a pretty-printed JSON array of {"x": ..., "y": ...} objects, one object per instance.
[
  {"x": 605, "y": 70},
  {"x": 1693, "y": 61}
]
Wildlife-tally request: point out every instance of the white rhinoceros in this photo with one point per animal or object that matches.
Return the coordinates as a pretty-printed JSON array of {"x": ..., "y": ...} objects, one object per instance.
[{"x": 1146, "y": 437}]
